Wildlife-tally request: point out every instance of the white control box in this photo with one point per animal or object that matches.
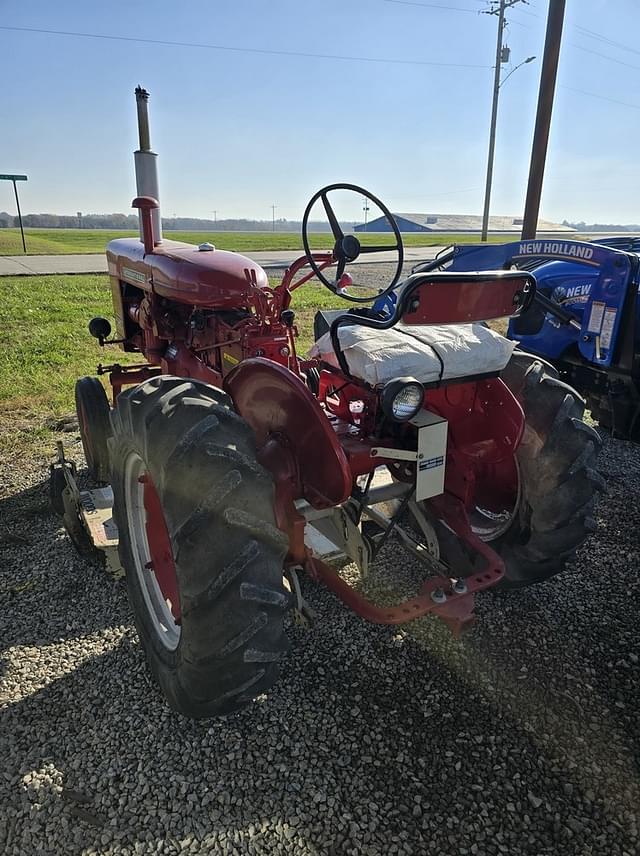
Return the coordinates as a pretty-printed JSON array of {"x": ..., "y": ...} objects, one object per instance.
[{"x": 432, "y": 454}]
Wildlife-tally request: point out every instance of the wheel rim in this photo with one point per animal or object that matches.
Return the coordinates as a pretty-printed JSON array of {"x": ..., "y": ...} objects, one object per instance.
[
  {"x": 152, "y": 552},
  {"x": 493, "y": 514}
]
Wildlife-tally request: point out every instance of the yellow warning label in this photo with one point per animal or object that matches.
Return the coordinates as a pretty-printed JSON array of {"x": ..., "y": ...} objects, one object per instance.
[{"x": 228, "y": 358}]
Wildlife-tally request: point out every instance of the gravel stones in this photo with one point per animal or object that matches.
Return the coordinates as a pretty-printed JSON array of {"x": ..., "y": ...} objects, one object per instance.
[{"x": 523, "y": 738}]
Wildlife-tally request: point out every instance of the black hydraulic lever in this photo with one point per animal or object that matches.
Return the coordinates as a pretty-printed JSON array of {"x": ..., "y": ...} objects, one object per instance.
[{"x": 557, "y": 310}]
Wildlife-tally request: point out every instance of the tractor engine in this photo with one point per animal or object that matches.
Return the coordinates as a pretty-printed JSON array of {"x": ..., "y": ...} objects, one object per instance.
[{"x": 181, "y": 305}]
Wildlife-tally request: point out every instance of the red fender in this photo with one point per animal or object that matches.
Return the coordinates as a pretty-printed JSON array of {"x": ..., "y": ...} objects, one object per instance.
[{"x": 279, "y": 407}]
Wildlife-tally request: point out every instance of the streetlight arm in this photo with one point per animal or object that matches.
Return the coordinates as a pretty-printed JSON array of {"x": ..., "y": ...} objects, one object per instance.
[{"x": 524, "y": 62}]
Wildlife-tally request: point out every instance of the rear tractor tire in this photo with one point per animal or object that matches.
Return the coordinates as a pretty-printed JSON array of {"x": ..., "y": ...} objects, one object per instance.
[
  {"x": 92, "y": 408},
  {"x": 199, "y": 544},
  {"x": 558, "y": 480}
]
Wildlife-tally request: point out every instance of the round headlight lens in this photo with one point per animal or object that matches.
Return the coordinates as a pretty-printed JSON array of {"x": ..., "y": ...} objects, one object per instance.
[{"x": 402, "y": 398}]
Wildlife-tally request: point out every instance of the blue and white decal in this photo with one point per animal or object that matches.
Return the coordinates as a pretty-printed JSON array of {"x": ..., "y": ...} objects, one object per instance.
[{"x": 559, "y": 249}]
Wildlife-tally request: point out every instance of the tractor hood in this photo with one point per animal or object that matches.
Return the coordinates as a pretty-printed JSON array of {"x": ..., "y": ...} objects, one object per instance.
[{"x": 185, "y": 273}]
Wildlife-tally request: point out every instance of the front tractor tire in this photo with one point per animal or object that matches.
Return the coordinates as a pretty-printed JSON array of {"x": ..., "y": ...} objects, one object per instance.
[
  {"x": 92, "y": 410},
  {"x": 199, "y": 544},
  {"x": 558, "y": 480}
]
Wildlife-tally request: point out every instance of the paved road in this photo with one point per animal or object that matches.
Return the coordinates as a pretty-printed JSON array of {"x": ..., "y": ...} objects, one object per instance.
[
  {"x": 37, "y": 265},
  {"x": 97, "y": 262}
]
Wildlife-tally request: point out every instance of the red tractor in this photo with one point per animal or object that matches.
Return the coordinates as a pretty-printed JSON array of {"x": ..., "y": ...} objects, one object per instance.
[{"x": 236, "y": 463}]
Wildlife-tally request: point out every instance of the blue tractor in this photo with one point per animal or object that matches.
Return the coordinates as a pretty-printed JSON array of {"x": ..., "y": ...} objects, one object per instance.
[{"x": 585, "y": 320}]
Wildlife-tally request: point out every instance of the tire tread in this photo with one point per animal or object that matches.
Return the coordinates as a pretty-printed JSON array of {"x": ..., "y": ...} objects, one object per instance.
[
  {"x": 218, "y": 507},
  {"x": 558, "y": 477}
]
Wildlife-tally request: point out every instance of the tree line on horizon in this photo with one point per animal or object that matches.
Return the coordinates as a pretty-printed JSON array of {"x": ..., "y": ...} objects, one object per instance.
[
  {"x": 130, "y": 222},
  {"x": 602, "y": 227},
  {"x": 195, "y": 224}
]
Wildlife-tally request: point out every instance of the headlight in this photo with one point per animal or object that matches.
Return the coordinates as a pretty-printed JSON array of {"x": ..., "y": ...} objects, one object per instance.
[{"x": 402, "y": 398}]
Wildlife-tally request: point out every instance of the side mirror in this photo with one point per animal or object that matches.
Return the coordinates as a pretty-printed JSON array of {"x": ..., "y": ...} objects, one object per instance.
[{"x": 100, "y": 329}]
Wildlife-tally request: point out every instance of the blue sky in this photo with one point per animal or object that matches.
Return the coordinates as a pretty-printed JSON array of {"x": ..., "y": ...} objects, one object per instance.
[{"x": 237, "y": 131}]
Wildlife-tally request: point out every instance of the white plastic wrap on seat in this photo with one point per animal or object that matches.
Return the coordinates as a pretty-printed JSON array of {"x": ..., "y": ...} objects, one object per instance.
[{"x": 377, "y": 356}]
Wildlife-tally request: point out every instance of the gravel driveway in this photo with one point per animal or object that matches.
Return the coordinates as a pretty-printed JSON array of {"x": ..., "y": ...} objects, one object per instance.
[{"x": 522, "y": 738}]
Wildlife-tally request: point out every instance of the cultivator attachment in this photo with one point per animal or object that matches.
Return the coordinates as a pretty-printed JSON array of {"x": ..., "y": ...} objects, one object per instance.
[
  {"x": 357, "y": 532},
  {"x": 87, "y": 514}
]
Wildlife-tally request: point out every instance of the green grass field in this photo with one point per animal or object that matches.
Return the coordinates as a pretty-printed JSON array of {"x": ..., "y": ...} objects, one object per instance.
[
  {"x": 45, "y": 345},
  {"x": 64, "y": 241}
]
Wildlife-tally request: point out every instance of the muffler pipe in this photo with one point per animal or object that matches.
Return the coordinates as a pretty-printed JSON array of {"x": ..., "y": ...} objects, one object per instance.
[{"x": 146, "y": 165}]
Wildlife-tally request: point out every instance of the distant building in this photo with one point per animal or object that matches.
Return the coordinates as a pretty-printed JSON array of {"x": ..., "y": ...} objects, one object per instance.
[{"x": 455, "y": 223}]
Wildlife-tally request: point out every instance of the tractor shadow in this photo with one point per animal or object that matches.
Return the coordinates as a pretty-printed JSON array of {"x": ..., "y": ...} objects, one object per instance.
[
  {"x": 50, "y": 592},
  {"x": 95, "y": 758}
]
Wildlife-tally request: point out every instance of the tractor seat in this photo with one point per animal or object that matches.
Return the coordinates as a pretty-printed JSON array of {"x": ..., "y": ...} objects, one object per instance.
[{"x": 429, "y": 353}]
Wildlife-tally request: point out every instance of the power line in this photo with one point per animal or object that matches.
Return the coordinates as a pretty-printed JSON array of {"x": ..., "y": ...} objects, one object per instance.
[
  {"x": 588, "y": 50},
  {"x": 584, "y": 31},
  {"x": 591, "y": 34},
  {"x": 168, "y": 43},
  {"x": 605, "y": 56},
  {"x": 206, "y": 46},
  {"x": 530, "y": 14},
  {"x": 587, "y": 34},
  {"x": 602, "y": 97},
  {"x": 501, "y": 7},
  {"x": 433, "y": 6}
]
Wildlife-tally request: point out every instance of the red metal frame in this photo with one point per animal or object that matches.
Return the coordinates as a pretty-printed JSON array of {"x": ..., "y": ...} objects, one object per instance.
[
  {"x": 455, "y": 608},
  {"x": 486, "y": 423},
  {"x": 287, "y": 285},
  {"x": 214, "y": 317},
  {"x": 120, "y": 376}
]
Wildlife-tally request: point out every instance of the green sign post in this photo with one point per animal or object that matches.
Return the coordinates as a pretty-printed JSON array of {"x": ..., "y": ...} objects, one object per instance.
[{"x": 15, "y": 178}]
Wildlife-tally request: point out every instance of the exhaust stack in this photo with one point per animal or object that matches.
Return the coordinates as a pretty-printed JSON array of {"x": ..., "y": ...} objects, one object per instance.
[{"x": 146, "y": 166}]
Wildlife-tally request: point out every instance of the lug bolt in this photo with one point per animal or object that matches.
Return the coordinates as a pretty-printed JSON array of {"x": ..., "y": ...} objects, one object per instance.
[
  {"x": 459, "y": 586},
  {"x": 438, "y": 596}
]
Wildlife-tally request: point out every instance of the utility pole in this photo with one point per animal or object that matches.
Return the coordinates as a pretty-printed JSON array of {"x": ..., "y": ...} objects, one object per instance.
[
  {"x": 548, "y": 76},
  {"x": 15, "y": 193},
  {"x": 215, "y": 216},
  {"x": 273, "y": 217},
  {"x": 499, "y": 10},
  {"x": 365, "y": 208},
  {"x": 13, "y": 178}
]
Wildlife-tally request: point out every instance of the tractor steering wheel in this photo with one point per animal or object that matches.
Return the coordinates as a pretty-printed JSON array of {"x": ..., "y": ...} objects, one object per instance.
[{"x": 347, "y": 248}]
